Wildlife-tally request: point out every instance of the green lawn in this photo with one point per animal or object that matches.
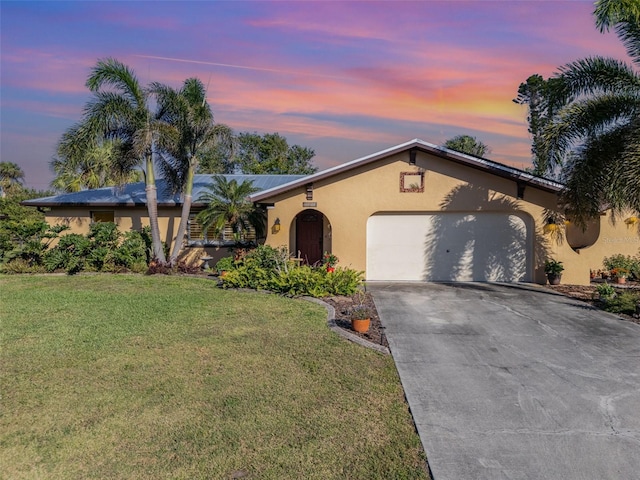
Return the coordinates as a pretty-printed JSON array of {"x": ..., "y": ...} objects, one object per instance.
[{"x": 140, "y": 377}]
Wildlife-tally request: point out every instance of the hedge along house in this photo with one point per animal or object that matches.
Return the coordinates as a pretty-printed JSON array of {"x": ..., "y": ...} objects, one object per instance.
[
  {"x": 419, "y": 212},
  {"x": 413, "y": 212},
  {"x": 126, "y": 206}
]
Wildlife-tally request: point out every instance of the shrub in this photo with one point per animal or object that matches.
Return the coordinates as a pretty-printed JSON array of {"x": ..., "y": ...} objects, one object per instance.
[
  {"x": 268, "y": 268},
  {"x": 303, "y": 280},
  {"x": 624, "y": 302},
  {"x": 225, "y": 264},
  {"x": 605, "y": 291},
  {"x": 343, "y": 281},
  {"x": 70, "y": 254},
  {"x": 269, "y": 258},
  {"x": 104, "y": 234},
  {"x": 102, "y": 249},
  {"x": 20, "y": 265},
  {"x": 246, "y": 276},
  {"x": 620, "y": 262},
  {"x": 132, "y": 251}
]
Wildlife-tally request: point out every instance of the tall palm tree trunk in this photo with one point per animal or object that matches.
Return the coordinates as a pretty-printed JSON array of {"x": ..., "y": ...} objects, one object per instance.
[
  {"x": 152, "y": 209},
  {"x": 184, "y": 217}
]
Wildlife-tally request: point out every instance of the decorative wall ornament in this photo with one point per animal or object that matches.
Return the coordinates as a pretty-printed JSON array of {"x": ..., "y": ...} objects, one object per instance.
[{"x": 412, "y": 182}]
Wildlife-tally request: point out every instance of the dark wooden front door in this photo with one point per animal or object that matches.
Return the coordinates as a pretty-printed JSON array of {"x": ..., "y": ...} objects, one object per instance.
[{"x": 309, "y": 235}]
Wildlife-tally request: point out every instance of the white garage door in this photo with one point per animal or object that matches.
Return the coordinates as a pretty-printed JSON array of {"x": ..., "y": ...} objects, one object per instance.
[{"x": 462, "y": 247}]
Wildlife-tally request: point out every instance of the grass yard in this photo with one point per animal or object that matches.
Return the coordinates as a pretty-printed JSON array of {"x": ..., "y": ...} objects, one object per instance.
[{"x": 124, "y": 376}]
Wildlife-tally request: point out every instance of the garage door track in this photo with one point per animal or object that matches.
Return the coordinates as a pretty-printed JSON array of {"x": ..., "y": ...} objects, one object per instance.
[{"x": 515, "y": 382}]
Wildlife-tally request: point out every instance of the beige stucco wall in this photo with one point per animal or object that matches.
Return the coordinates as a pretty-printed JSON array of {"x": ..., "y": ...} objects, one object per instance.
[
  {"x": 127, "y": 218},
  {"x": 133, "y": 218},
  {"x": 609, "y": 236},
  {"x": 349, "y": 199}
]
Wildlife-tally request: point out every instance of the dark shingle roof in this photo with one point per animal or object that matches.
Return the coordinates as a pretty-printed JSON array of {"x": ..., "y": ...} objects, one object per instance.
[{"x": 133, "y": 194}]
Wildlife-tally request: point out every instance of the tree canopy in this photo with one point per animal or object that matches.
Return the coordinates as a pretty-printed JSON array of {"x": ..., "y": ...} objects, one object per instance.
[
  {"x": 467, "y": 144},
  {"x": 228, "y": 204},
  {"x": 251, "y": 153},
  {"x": 543, "y": 98},
  {"x": 594, "y": 137},
  {"x": 117, "y": 134},
  {"x": 11, "y": 177}
]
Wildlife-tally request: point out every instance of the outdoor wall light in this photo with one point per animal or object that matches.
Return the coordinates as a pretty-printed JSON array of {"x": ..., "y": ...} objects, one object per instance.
[{"x": 276, "y": 226}]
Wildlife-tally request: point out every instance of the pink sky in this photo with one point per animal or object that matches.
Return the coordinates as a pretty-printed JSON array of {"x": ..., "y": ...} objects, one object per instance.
[{"x": 344, "y": 78}]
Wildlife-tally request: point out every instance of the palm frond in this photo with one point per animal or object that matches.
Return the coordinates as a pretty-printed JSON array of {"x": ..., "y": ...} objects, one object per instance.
[
  {"x": 113, "y": 73},
  {"x": 595, "y": 75},
  {"x": 585, "y": 117},
  {"x": 612, "y": 12},
  {"x": 629, "y": 33}
]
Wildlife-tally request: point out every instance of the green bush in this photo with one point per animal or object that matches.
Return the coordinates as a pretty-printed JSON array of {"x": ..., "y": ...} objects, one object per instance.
[
  {"x": 624, "y": 302},
  {"x": 20, "y": 265},
  {"x": 244, "y": 276},
  {"x": 605, "y": 291},
  {"x": 132, "y": 251},
  {"x": 268, "y": 268},
  {"x": 69, "y": 254},
  {"x": 303, "y": 280},
  {"x": 103, "y": 249},
  {"x": 104, "y": 234},
  {"x": 225, "y": 264},
  {"x": 343, "y": 281},
  {"x": 625, "y": 263}
]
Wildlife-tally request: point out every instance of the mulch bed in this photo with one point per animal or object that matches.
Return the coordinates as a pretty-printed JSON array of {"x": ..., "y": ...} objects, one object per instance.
[
  {"x": 342, "y": 306},
  {"x": 588, "y": 294}
]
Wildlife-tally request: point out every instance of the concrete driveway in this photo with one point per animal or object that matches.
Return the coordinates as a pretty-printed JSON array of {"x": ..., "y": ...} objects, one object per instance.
[{"x": 515, "y": 382}]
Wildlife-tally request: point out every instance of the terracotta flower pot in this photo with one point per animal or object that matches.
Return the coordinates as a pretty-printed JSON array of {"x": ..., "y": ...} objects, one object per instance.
[
  {"x": 361, "y": 325},
  {"x": 621, "y": 279}
]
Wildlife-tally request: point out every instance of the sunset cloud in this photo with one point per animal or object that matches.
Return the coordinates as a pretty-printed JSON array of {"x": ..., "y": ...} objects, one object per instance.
[{"x": 344, "y": 78}]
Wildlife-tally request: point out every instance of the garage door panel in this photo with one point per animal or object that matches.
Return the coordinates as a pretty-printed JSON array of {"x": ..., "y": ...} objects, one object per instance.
[{"x": 448, "y": 247}]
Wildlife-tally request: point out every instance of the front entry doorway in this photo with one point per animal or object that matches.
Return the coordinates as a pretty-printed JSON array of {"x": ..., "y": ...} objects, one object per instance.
[{"x": 309, "y": 236}]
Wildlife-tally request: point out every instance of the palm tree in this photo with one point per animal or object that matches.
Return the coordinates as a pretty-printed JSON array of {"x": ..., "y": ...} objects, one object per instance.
[
  {"x": 189, "y": 131},
  {"x": 228, "y": 205},
  {"x": 543, "y": 98},
  {"x": 467, "y": 144},
  {"x": 11, "y": 176},
  {"x": 119, "y": 111},
  {"x": 94, "y": 165},
  {"x": 595, "y": 136}
]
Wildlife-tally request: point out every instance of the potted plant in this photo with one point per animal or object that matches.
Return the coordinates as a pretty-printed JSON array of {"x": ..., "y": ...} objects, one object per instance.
[
  {"x": 619, "y": 266},
  {"x": 553, "y": 269},
  {"x": 360, "y": 318},
  {"x": 620, "y": 274},
  {"x": 329, "y": 260}
]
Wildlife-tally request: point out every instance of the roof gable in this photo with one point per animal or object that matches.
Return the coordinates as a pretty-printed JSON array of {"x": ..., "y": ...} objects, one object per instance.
[{"x": 489, "y": 166}]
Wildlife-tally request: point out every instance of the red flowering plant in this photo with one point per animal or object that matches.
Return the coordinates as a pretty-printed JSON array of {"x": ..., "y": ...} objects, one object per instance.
[
  {"x": 329, "y": 259},
  {"x": 620, "y": 272}
]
